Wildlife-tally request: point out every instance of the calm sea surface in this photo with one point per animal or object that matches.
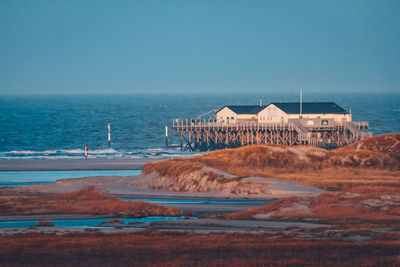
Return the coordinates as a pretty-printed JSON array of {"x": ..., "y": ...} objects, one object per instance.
[{"x": 57, "y": 127}]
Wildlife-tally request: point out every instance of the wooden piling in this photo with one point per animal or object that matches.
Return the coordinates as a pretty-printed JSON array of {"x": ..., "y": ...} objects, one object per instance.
[{"x": 205, "y": 135}]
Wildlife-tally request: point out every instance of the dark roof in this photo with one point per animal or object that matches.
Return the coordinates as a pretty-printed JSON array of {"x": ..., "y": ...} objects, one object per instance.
[
  {"x": 293, "y": 108},
  {"x": 311, "y": 108},
  {"x": 253, "y": 109}
]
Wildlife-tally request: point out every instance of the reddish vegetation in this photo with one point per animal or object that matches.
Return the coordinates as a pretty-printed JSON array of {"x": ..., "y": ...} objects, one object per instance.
[
  {"x": 357, "y": 205},
  {"x": 189, "y": 213},
  {"x": 365, "y": 177},
  {"x": 386, "y": 143},
  {"x": 85, "y": 201},
  {"x": 43, "y": 223},
  {"x": 174, "y": 249},
  {"x": 354, "y": 165}
]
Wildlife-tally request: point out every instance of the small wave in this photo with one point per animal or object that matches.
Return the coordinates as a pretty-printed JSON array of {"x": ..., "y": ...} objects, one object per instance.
[
  {"x": 395, "y": 110},
  {"x": 73, "y": 151},
  {"x": 101, "y": 151},
  {"x": 94, "y": 151},
  {"x": 41, "y": 157},
  {"x": 78, "y": 153},
  {"x": 21, "y": 152},
  {"x": 50, "y": 151}
]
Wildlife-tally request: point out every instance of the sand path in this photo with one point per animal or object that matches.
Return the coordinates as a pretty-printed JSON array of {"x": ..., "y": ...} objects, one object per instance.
[{"x": 130, "y": 187}]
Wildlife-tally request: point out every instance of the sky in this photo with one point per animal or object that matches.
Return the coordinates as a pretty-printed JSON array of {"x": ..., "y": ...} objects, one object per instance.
[{"x": 170, "y": 46}]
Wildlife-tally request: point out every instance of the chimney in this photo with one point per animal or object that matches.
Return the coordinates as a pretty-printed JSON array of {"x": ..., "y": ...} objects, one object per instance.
[{"x": 260, "y": 102}]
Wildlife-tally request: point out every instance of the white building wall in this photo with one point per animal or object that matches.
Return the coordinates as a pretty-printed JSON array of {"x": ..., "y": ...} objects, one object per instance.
[
  {"x": 247, "y": 117},
  {"x": 337, "y": 117},
  {"x": 226, "y": 115},
  {"x": 272, "y": 114}
]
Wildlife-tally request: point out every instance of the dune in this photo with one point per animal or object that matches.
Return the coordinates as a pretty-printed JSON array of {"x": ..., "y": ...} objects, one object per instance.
[{"x": 358, "y": 164}]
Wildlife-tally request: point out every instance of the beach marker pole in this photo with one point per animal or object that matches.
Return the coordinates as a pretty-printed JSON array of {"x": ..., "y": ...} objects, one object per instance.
[
  {"x": 166, "y": 136},
  {"x": 109, "y": 135}
]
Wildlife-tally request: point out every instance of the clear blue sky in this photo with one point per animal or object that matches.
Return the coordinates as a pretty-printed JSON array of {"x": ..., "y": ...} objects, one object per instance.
[{"x": 81, "y": 46}]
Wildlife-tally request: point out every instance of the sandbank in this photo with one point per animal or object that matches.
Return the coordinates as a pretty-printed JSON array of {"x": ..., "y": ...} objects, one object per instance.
[{"x": 74, "y": 164}]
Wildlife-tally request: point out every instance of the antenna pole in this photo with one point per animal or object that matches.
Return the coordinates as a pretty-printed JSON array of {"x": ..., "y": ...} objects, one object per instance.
[{"x": 301, "y": 102}]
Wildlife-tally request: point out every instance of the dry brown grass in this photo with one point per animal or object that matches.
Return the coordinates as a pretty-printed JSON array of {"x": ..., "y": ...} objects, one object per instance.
[
  {"x": 85, "y": 201},
  {"x": 174, "y": 249},
  {"x": 387, "y": 143},
  {"x": 360, "y": 178},
  {"x": 377, "y": 205},
  {"x": 329, "y": 170}
]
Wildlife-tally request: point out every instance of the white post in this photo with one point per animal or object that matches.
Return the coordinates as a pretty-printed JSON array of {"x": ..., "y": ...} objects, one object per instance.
[
  {"x": 109, "y": 135},
  {"x": 166, "y": 136}
]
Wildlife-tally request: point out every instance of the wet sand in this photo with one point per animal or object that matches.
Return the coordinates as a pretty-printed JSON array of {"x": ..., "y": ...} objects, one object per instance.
[
  {"x": 205, "y": 225},
  {"x": 74, "y": 164},
  {"x": 200, "y": 209}
]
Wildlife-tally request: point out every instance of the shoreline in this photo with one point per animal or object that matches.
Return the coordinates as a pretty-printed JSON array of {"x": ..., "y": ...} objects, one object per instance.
[{"x": 75, "y": 164}]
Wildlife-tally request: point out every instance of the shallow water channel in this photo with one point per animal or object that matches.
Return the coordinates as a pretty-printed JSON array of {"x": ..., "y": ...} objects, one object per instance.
[
  {"x": 193, "y": 201},
  {"x": 204, "y": 205},
  {"x": 199, "y": 206},
  {"x": 21, "y": 178},
  {"x": 90, "y": 223}
]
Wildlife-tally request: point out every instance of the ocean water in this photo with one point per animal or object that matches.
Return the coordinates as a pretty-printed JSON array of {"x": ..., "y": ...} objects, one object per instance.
[{"x": 58, "y": 127}]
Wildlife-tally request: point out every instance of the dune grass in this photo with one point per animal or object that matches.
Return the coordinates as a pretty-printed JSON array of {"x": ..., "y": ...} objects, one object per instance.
[
  {"x": 328, "y": 170},
  {"x": 358, "y": 205}
]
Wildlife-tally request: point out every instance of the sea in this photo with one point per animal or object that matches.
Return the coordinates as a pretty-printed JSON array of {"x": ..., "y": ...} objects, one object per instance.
[{"x": 58, "y": 126}]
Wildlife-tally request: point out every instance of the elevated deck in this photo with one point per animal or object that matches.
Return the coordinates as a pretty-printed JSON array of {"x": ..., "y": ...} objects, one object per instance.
[{"x": 202, "y": 135}]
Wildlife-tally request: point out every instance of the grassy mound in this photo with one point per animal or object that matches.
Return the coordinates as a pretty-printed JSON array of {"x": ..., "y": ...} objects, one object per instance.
[{"x": 361, "y": 164}]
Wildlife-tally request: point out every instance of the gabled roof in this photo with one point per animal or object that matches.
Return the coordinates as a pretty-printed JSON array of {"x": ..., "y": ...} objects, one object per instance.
[
  {"x": 251, "y": 109},
  {"x": 311, "y": 108}
]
